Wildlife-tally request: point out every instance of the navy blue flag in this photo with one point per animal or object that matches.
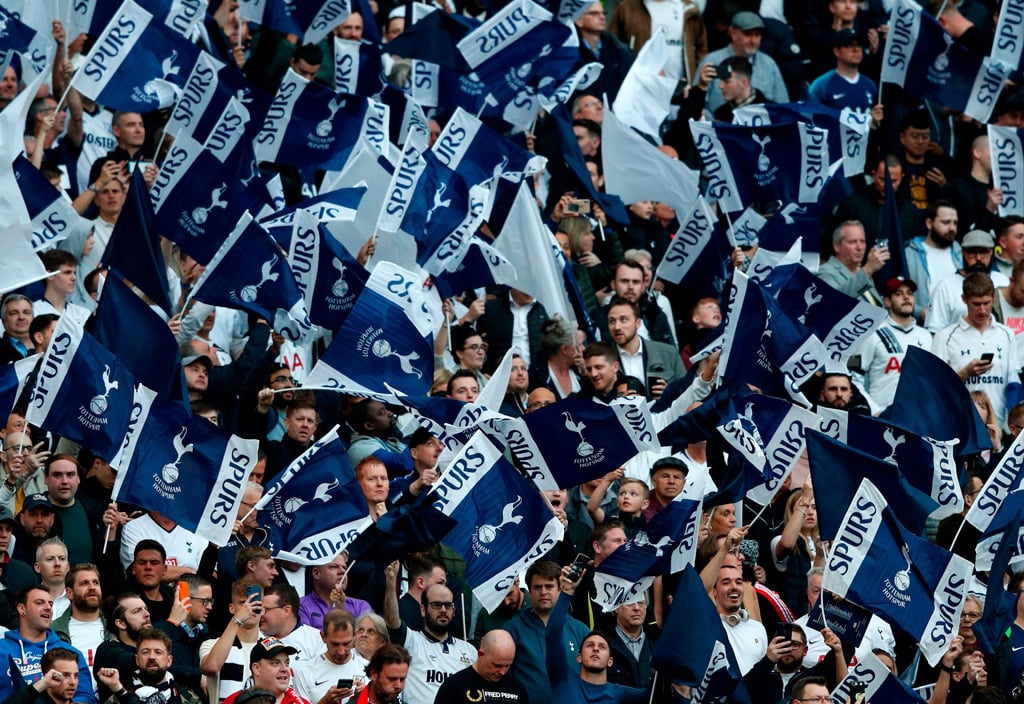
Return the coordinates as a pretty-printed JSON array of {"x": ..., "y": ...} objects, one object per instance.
[
  {"x": 315, "y": 506},
  {"x": 844, "y": 618},
  {"x": 847, "y": 129},
  {"x": 408, "y": 121},
  {"x": 1007, "y": 156},
  {"x": 1000, "y": 605},
  {"x": 1009, "y": 45},
  {"x": 667, "y": 545},
  {"x": 16, "y": 37},
  {"x": 747, "y": 164},
  {"x": 481, "y": 266},
  {"x": 337, "y": 206},
  {"x": 699, "y": 655},
  {"x": 137, "y": 64},
  {"x": 794, "y": 222},
  {"x": 170, "y": 458},
  {"x": 700, "y": 256},
  {"x": 838, "y": 320},
  {"x": 276, "y": 14},
  {"x": 309, "y": 125},
  {"x": 892, "y": 236},
  {"x": 434, "y": 413},
  {"x": 209, "y": 88},
  {"x": 434, "y": 39},
  {"x": 82, "y": 391},
  {"x": 478, "y": 153},
  {"x": 881, "y": 685},
  {"x": 250, "y": 272},
  {"x": 53, "y": 217},
  {"x": 181, "y": 16},
  {"x": 134, "y": 247},
  {"x": 329, "y": 278},
  {"x": 913, "y": 584},
  {"x": 403, "y": 529},
  {"x": 928, "y": 63},
  {"x": 577, "y": 439},
  {"x": 12, "y": 381},
  {"x": 122, "y": 320},
  {"x": 1002, "y": 494},
  {"x": 841, "y": 468},
  {"x": 387, "y": 342},
  {"x": 761, "y": 339},
  {"x": 504, "y": 524},
  {"x": 932, "y": 401},
  {"x": 357, "y": 67},
  {"x": 927, "y": 466}
]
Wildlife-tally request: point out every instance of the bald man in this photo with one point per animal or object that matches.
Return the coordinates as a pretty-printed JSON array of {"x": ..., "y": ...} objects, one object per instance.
[
  {"x": 539, "y": 398},
  {"x": 487, "y": 679}
]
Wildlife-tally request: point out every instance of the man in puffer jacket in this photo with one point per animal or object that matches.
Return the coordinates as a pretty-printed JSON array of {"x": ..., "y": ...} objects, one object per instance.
[{"x": 22, "y": 648}]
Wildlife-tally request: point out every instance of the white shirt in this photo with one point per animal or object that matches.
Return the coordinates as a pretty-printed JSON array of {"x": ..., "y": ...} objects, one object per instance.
[
  {"x": 940, "y": 265},
  {"x": 947, "y": 303},
  {"x": 881, "y": 357},
  {"x": 668, "y": 16},
  {"x": 959, "y": 343},
  {"x": 749, "y": 643},
  {"x": 314, "y": 677},
  {"x": 60, "y": 605},
  {"x": 86, "y": 636},
  {"x": 307, "y": 641},
  {"x": 1013, "y": 318},
  {"x": 184, "y": 548},
  {"x": 633, "y": 364},
  {"x": 521, "y": 329},
  {"x": 432, "y": 662}
]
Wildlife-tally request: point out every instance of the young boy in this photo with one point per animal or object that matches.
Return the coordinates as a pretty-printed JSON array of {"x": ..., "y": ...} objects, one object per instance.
[{"x": 631, "y": 500}]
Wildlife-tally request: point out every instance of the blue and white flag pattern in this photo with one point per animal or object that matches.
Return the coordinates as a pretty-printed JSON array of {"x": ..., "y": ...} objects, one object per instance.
[
  {"x": 742, "y": 163},
  {"x": 357, "y": 67},
  {"x": 336, "y": 208},
  {"x": 137, "y": 63},
  {"x": 928, "y": 465},
  {"x": 504, "y": 524},
  {"x": 1007, "y": 156},
  {"x": 667, "y": 545},
  {"x": 576, "y": 440},
  {"x": 1008, "y": 47},
  {"x": 911, "y": 583},
  {"x": 82, "y": 391},
  {"x": 939, "y": 68},
  {"x": 250, "y": 272},
  {"x": 315, "y": 506},
  {"x": 170, "y": 457},
  {"x": 998, "y": 502},
  {"x": 13, "y": 376},
  {"x": 386, "y": 343},
  {"x": 478, "y": 153},
  {"x": 699, "y": 255},
  {"x": 881, "y": 685},
  {"x": 53, "y": 217}
]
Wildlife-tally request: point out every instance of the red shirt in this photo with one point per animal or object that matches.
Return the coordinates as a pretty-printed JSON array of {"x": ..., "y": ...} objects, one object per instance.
[{"x": 289, "y": 697}]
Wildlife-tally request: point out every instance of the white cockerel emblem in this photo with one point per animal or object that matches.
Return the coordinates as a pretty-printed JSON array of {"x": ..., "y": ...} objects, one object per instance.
[
  {"x": 169, "y": 472},
  {"x": 487, "y": 532},
  {"x": 584, "y": 449},
  {"x": 641, "y": 540},
  {"x": 250, "y": 291},
  {"x": 200, "y": 215},
  {"x": 811, "y": 299},
  {"x": 893, "y": 441},
  {"x": 324, "y": 127},
  {"x": 439, "y": 202},
  {"x": 382, "y": 349},
  {"x": 902, "y": 578},
  {"x": 763, "y": 162},
  {"x": 167, "y": 68},
  {"x": 322, "y": 493},
  {"x": 340, "y": 287},
  {"x": 524, "y": 71},
  {"x": 98, "y": 403}
]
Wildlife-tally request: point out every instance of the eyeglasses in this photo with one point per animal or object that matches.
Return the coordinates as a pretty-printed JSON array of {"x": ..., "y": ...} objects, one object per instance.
[
  {"x": 271, "y": 608},
  {"x": 595, "y": 13},
  {"x": 207, "y": 602},
  {"x": 441, "y": 605},
  {"x": 281, "y": 380},
  {"x": 971, "y": 616},
  {"x": 798, "y": 644},
  {"x": 477, "y": 347},
  {"x": 818, "y": 700}
]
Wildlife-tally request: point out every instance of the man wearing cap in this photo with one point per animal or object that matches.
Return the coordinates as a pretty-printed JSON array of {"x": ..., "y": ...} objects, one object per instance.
[
  {"x": 935, "y": 255},
  {"x": 881, "y": 354},
  {"x": 197, "y": 375},
  {"x": 947, "y": 304},
  {"x": 745, "y": 32},
  {"x": 271, "y": 670},
  {"x": 668, "y": 477},
  {"x": 36, "y": 519},
  {"x": 152, "y": 682},
  {"x": 845, "y": 86},
  {"x": 734, "y": 83}
]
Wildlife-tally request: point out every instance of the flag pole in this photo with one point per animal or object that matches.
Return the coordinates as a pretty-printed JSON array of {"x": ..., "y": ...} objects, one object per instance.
[{"x": 462, "y": 600}]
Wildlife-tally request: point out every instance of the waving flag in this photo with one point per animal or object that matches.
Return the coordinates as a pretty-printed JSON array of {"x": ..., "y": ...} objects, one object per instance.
[
  {"x": 635, "y": 170},
  {"x": 943, "y": 70},
  {"x": 134, "y": 247},
  {"x": 699, "y": 655},
  {"x": 318, "y": 18},
  {"x": 309, "y": 125},
  {"x": 760, "y": 339},
  {"x": 171, "y": 457},
  {"x": 667, "y": 545},
  {"x": 479, "y": 153},
  {"x": 841, "y": 322},
  {"x": 645, "y": 97},
  {"x": 387, "y": 341},
  {"x": 137, "y": 64},
  {"x": 181, "y": 16},
  {"x": 1007, "y": 157},
  {"x": 931, "y": 400},
  {"x": 880, "y": 684},
  {"x": 892, "y": 235},
  {"x": 408, "y": 121},
  {"x": 577, "y": 439},
  {"x": 842, "y": 467},
  {"x": 12, "y": 381},
  {"x": 357, "y": 67},
  {"x": 335, "y": 208},
  {"x": 1000, "y": 497},
  {"x": 913, "y": 584},
  {"x": 315, "y": 506},
  {"x": 16, "y": 37},
  {"x": 82, "y": 391},
  {"x": 1000, "y": 604},
  {"x": 328, "y": 277},
  {"x": 250, "y": 272},
  {"x": 53, "y": 217},
  {"x": 480, "y": 265},
  {"x": 927, "y": 465},
  {"x": 504, "y": 524},
  {"x": 699, "y": 256},
  {"x": 847, "y": 129},
  {"x": 743, "y": 163},
  {"x": 277, "y": 14},
  {"x": 1008, "y": 47}
]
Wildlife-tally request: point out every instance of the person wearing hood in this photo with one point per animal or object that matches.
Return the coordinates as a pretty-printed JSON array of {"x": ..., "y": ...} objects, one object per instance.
[{"x": 26, "y": 645}]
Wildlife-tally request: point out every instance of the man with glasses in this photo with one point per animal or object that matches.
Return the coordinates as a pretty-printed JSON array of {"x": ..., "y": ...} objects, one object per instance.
[
  {"x": 280, "y": 619},
  {"x": 186, "y": 628},
  {"x": 811, "y": 690},
  {"x": 782, "y": 668},
  {"x": 436, "y": 654}
]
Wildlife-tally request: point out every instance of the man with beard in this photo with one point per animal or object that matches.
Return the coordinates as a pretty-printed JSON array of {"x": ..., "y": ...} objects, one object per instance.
[
  {"x": 782, "y": 668},
  {"x": 186, "y": 629},
  {"x": 487, "y": 679},
  {"x": 436, "y": 654},
  {"x": 881, "y": 355},
  {"x": 746, "y": 635},
  {"x": 127, "y": 614},
  {"x": 935, "y": 255},
  {"x": 151, "y": 681},
  {"x": 271, "y": 671},
  {"x": 947, "y": 304},
  {"x": 271, "y": 403},
  {"x": 82, "y": 625},
  {"x": 374, "y": 427},
  {"x": 388, "y": 670},
  {"x": 657, "y": 363},
  {"x": 23, "y": 647},
  {"x": 836, "y": 392}
]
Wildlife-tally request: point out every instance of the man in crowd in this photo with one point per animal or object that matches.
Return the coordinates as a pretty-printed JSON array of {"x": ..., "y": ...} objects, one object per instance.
[
  {"x": 280, "y": 619},
  {"x": 488, "y": 675},
  {"x": 58, "y": 683},
  {"x": 152, "y": 676},
  {"x": 186, "y": 629},
  {"x": 128, "y": 617},
  {"x": 316, "y": 679},
  {"x": 844, "y": 271},
  {"x": 329, "y": 593},
  {"x": 83, "y": 625},
  {"x": 388, "y": 671},
  {"x": 947, "y": 303}
]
